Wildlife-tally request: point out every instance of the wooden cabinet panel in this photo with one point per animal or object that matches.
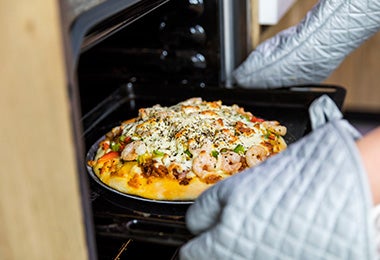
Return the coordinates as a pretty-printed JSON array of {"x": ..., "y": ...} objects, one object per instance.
[
  {"x": 40, "y": 208},
  {"x": 360, "y": 74},
  {"x": 360, "y": 71}
]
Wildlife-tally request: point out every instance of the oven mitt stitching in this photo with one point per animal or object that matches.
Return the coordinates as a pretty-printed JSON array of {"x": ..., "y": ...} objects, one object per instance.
[
  {"x": 263, "y": 217},
  {"x": 309, "y": 51},
  {"x": 311, "y": 201}
]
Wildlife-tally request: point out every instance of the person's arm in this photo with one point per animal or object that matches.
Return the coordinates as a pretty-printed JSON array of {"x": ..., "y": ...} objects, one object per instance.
[
  {"x": 369, "y": 148},
  {"x": 310, "y": 51},
  {"x": 309, "y": 200}
]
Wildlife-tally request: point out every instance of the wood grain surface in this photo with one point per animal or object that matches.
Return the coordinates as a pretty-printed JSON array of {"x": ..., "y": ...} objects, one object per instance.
[
  {"x": 359, "y": 72},
  {"x": 40, "y": 209}
]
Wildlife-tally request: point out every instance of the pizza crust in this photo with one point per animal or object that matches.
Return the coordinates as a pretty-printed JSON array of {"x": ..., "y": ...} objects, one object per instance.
[
  {"x": 129, "y": 180},
  {"x": 131, "y": 160}
]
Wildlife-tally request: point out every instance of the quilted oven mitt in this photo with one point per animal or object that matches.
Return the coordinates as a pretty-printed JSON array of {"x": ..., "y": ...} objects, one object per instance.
[
  {"x": 311, "y": 50},
  {"x": 311, "y": 201}
]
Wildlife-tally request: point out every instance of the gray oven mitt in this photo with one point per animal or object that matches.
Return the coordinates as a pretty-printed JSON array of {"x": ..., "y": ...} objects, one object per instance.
[
  {"x": 311, "y": 201},
  {"x": 311, "y": 50}
]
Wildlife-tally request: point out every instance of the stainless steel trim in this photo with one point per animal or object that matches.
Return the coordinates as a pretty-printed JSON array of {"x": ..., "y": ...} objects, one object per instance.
[{"x": 234, "y": 36}]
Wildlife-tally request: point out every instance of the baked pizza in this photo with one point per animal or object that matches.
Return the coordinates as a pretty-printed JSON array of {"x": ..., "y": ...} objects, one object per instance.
[{"x": 177, "y": 152}]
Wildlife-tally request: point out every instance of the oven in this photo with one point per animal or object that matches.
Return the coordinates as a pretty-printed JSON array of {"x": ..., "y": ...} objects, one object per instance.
[{"x": 124, "y": 55}]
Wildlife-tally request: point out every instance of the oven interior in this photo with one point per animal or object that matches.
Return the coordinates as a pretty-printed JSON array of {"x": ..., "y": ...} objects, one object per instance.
[{"x": 173, "y": 53}]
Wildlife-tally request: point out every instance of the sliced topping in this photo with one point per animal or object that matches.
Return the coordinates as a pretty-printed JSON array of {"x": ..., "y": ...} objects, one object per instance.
[
  {"x": 158, "y": 153},
  {"x": 256, "y": 119},
  {"x": 212, "y": 178},
  {"x": 243, "y": 128},
  {"x": 204, "y": 164},
  {"x": 275, "y": 127},
  {"x": 255, "y": 155},
  {"x": 135, "y": 181},
  {"x": 188, "y": 109},
  {"x": 105, "y": 145},
  {"x": 215, "y": 154},
  {"x": 229, "y": 162},
  {"x": 114, "y": 132},
  {"x": 109, "y": 156},
  {"x": 133, "y": 150},
  {"x": 208, "y": 113},
  {"x": 239, "y": 149},
  {"x": 188, "y": 153},
  {"x": 219, "y": 122}
]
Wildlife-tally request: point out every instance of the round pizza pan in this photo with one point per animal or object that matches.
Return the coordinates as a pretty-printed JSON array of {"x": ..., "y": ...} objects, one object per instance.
[{"x": 140, "y": 204}]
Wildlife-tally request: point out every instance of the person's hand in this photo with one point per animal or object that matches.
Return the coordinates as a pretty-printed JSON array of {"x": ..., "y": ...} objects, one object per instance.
[
  {"x": 311, "y": 50},
  {"x": 369, "y": 148},
  {"x": 311, "y": 201}
]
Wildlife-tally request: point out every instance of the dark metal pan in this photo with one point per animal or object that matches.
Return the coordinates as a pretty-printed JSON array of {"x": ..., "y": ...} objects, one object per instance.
[
  {"x": 171, "y": 207},
  {"x": 287, "y": 105},
  {"x": 120, "y": 215}
]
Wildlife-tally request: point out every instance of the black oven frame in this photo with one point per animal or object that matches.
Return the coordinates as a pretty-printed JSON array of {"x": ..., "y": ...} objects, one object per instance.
[
  {"x": 80, "y": 31},
  {"x": 110, "y": 17}
]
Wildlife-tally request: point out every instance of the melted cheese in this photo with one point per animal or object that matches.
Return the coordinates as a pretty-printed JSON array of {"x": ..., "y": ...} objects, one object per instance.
[
  {"x": 192, "y": 125},
  {"x": 179, "y": 138}
]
